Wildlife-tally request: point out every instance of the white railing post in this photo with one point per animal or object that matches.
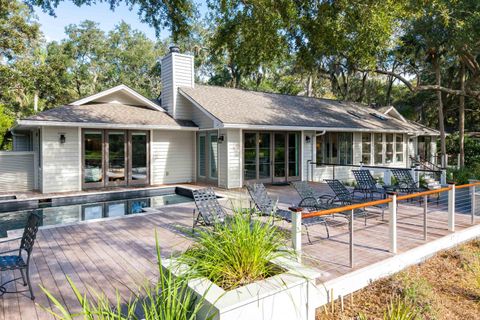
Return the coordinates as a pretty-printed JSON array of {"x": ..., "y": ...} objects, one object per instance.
[
  {"x": 297, "y": 231},
  {"x": 473, "y": 203},
  {"x": 451, "y": 208},
  {"x": 392, "y": 223}
]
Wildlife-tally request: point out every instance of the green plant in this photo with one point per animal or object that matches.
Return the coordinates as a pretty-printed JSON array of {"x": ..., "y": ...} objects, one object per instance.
[
  {"x": 236, "y": 253},
  {"x": 400, "y": 309},
  {"x": 169, "y": 299}
]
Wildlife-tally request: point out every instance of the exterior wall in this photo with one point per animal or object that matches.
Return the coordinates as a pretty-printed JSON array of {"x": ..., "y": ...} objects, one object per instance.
[
  {"x": 343, "y": 173},
  {"x": 308, "y": 153},
  {"x": 223, "y": 159},
  {"x": 61, "y": 161},
  {"x": 172, "y": 157},
  {"x": 234, "y": 162},
  {"x": 177, "y": 71},
  {"x": 17, "y": 171},
  {"x": 190, "y": 112}
]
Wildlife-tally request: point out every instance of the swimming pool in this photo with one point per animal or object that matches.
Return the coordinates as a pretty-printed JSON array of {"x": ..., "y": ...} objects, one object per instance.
[{"x": 65, "y": 210}]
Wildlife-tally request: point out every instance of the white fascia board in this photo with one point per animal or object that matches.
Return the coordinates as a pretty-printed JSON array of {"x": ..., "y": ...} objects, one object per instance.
[
  {"x": 121, "y": 87},
  {"x": 394, "y": 110},
  {"x": 102, "y": 125},
  {"x": 301, "y": 128}
]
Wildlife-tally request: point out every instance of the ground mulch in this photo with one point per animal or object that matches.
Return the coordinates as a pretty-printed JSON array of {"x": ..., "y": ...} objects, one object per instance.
[{"x": 446, "y": 286}]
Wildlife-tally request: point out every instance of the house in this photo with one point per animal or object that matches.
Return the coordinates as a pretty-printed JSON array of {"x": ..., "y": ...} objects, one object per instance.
[{"x": 220, "y": 136}]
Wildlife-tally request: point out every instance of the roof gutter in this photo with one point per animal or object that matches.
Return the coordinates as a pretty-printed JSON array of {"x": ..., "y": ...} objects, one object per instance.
[
  {"x": 302, "y": 128},
  {"x": 101, "y": 125}
]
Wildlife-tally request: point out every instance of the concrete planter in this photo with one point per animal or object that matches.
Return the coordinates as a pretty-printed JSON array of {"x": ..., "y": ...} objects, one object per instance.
[{"x": 284, "y": 296}]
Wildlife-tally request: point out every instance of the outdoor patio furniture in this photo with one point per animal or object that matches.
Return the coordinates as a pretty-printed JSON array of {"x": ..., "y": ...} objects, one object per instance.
[
  {"x": 311, "y": 199},
  {"x": 21, "y": 260},
  {"x": 267, "y": 206},
  {"x": 210, "y": 212},
  {"x": 367, "y": 184},
  {"x": 345, "y": 197},
  {"x": 405, "y": 183}
]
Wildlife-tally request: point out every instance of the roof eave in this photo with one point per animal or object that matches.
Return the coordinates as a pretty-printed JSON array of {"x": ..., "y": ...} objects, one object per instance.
[{"x": 99, "y": 125}]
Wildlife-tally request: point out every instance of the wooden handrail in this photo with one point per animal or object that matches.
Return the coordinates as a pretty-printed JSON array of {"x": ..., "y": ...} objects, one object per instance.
[
  {"x": 467, "y": 185},
  {"x": 423, "y": 193},
  {"x": 345, "y": 208}
]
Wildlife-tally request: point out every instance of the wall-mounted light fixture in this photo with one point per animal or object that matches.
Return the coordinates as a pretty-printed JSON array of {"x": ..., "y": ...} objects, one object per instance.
[
  {"x": 221, "y": 138},
  {"x": 62, "y": 138},
  {"x": 308, "y": 139}
]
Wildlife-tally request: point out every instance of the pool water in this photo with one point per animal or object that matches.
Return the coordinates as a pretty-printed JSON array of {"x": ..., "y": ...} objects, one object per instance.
[{"x": 64, "y": 214}]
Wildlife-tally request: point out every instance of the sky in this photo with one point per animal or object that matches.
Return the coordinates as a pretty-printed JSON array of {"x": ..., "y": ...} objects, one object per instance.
[{"x": 68, "y": 13}]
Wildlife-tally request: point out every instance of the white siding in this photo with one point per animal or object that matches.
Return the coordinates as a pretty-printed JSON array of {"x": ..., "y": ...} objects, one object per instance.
[
  {"x": 191, "y": 112},
  {"x": 167, "y": 83},
  {"x": 17, "y": 172},
  {"x": 61, "y": 161},
  {"x": 172, "y": 157},
  {"x": 234, "y": 158},
  {"x": 308, "y": 152},
  {"x": 223, "y": 160},
  {"x": 357, "y": 147}
]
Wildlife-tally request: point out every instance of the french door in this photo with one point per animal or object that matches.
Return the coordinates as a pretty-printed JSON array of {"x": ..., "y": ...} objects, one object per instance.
[
  {"x": 115, "y": 158},
  {"x": 271, "y": 156}
]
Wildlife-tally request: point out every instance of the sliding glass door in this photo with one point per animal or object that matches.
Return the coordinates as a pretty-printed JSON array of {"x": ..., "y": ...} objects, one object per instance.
[
  {"x": 115, "y": 158},
  {"x": 138, "y": 158},
  {"x": 207, "y": 156},
  {"x": 93, "y": 158},
  {"x": 115, "y": 155},
  {"x": 271, "y": 156}
]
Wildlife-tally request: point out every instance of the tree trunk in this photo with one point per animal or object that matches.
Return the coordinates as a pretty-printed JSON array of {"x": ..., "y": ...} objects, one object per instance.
[
  {"x": 461, "y": 117},
  {"x": 310, "y": 86},
  {"x": 441, "y": 124}
]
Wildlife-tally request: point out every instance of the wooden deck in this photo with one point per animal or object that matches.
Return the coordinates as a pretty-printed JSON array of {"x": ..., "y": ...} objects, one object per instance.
[{"x": 119, "y": 254}]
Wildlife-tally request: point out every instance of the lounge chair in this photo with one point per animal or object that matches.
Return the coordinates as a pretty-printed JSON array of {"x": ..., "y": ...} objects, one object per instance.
[
  {"x": 268, "y": 207},
  {"x": 343, "y": 197},
  {"x": 311, "y": 199},
  {"x": 367, "y": 184},
  {"x": 21, "y": 260},
  {"x": 210, "y": 212},
  {"x": 405, "y": 182}
]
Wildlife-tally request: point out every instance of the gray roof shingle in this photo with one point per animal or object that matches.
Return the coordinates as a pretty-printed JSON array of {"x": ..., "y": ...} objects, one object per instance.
[
  {"x": 236, "y": 106},
  {"x": 110, "y": 113}
]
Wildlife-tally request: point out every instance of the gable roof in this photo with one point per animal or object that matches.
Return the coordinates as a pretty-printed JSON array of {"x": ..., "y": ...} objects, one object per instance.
[
  {"x": 120, "y": 92},
  {"x": 106, "y": 114},
  {"x": 237, "y": 108}
]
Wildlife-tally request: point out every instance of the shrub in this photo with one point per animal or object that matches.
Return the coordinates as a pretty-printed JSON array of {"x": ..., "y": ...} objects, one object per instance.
[
  {"x": 169, "y": 299},
  {"x": 236, "y": 253},
  {"x": 400, "y": 309}
]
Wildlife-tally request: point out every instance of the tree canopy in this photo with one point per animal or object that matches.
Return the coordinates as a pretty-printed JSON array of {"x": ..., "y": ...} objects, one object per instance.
[{"x": 421, "y": 56}]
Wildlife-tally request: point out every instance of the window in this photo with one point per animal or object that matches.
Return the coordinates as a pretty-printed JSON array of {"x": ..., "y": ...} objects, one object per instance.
[
  {"x": 202, "y": 169},
  {"x": 399, "y": 147},
  {"x": 213, "y": 143},
  {"x": 366, "y": 148},
  {"x": 389, "y": 148},
  {"x": 320, "y": 149},
  {"x": 335, "y": 147},
  {"x": 378, "y": 152}
]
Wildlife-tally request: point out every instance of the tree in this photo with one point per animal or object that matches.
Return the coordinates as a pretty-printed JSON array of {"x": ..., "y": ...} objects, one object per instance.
[{"x": 175, "y": 15}]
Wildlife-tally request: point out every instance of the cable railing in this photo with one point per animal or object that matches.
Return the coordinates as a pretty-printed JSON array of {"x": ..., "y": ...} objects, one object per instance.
[
  {"x": 406, "y": 219},
  {"x": 324, "y": 170}
]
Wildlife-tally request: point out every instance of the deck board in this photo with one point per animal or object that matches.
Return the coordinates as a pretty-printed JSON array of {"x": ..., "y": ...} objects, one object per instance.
[{"x": 119, "y": 254}]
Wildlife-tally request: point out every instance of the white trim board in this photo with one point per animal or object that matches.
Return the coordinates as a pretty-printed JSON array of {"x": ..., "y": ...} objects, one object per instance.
[
  {"x": 361, "y": 278},
  {"x": 101, "y": 125}
]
